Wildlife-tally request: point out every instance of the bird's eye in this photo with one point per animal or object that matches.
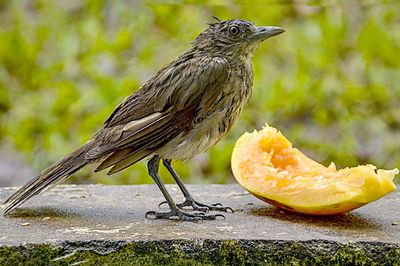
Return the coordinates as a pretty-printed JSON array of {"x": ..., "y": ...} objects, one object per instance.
[{"x": 234, "y": 30}]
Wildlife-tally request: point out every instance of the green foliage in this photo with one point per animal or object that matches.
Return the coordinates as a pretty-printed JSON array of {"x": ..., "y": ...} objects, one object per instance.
[{"x": 330, "y": 83}]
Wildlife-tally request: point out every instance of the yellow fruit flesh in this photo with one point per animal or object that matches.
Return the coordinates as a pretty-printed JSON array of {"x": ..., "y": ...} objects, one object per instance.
[{"x": 266, "y": 164}]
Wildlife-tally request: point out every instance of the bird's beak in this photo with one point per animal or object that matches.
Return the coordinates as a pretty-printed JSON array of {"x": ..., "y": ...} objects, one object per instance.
[{"x": 265, "y": 32}]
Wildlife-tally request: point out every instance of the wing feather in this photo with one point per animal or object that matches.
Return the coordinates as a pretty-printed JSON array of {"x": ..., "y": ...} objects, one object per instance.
[
  {"x": 125, "y": 163},
  {"x": 114, "y": 158},
  {"x": 168, "y": 105}
]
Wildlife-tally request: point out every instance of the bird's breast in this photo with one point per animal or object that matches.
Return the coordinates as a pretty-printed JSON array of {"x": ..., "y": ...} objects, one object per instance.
[{"x": 208, "y": 129}]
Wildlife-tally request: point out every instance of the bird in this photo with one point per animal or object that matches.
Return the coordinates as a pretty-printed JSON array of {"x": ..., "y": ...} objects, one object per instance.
[{"x": 183, "y": 110}]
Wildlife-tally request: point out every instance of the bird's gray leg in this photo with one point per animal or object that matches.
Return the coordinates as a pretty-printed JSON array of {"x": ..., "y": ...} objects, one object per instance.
[
  {"x": 175, "y": 212},
  {"x": 189, "y": 201}
]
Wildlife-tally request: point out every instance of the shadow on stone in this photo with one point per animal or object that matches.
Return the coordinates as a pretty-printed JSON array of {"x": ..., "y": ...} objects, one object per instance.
[
  {"x": 41, "y": 213},
  {"x": 343, "y": 221}
]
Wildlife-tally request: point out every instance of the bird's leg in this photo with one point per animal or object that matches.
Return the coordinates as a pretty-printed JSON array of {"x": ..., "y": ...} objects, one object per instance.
[
  {"x": 175, "y": 212},
  {"x": 189, "y": 201}
]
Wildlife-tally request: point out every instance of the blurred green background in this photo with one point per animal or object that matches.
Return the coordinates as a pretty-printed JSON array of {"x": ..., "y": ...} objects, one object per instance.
[{"x": 331, "y": 83}]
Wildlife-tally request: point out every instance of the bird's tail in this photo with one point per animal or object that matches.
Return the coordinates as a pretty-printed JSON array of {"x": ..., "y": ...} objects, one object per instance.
[{"x": 51, "y": 176}]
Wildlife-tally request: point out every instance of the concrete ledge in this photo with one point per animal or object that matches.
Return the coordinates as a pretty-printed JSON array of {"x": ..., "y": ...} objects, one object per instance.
[{"x": 95, "y": 225}]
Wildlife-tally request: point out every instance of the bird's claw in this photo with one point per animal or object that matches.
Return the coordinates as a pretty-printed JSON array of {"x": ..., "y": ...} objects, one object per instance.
[
  {"x": 162, "y": 203},
  {"x": 182, "y": 216},
  {"x": 197, "y": 206},
  {"x": 220, "y": 207},
  {"x": 187, "y": 204},
  {"x": 226, "y": 209}
]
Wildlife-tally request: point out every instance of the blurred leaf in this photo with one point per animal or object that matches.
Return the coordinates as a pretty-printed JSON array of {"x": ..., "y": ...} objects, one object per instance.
[{"x": 330, "y": 83}]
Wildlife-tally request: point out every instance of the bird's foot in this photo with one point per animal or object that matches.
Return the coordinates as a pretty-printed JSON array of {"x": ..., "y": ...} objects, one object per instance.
[
  {"x": 197, "y": 206},
  {"x": 177, "y": 214}
]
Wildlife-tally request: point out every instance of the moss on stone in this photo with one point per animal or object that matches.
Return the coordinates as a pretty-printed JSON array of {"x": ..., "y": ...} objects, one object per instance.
[{"x": 202, "y": 252}]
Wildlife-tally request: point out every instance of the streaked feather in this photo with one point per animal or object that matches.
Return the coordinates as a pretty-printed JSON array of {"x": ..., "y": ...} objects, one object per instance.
[
  {"x": 121, "y": 165},
  {"x": 114, "y": 158},
  {"x": 136, "y": 125}
]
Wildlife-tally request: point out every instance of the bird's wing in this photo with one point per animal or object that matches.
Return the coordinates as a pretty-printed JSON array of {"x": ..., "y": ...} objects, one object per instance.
[{"x": 160, "y": 110}]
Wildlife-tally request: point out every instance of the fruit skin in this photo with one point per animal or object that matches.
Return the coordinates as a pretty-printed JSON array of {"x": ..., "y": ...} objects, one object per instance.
[{"x": 266, "y": 164}]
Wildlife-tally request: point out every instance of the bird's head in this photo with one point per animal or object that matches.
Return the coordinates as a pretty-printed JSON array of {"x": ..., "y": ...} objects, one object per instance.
[{"x": 233, "y": 38}]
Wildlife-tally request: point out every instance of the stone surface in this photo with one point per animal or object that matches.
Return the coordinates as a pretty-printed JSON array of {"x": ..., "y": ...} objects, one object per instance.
[{"x": 95, "y": 224}]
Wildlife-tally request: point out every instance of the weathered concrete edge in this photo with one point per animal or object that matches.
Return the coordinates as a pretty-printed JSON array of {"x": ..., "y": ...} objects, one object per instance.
[{"x": 203, "y": 251}]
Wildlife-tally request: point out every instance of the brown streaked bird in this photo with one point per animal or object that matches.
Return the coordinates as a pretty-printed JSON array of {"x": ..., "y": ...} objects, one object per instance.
[{"x": 186, "y": 108}]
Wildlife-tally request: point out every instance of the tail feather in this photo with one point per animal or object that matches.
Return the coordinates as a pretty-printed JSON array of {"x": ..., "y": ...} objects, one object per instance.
[{"x": 50, "y": 177}]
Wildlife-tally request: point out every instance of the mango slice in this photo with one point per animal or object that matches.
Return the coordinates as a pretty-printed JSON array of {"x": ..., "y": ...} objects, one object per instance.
[{"x": 266, "y": 164}]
